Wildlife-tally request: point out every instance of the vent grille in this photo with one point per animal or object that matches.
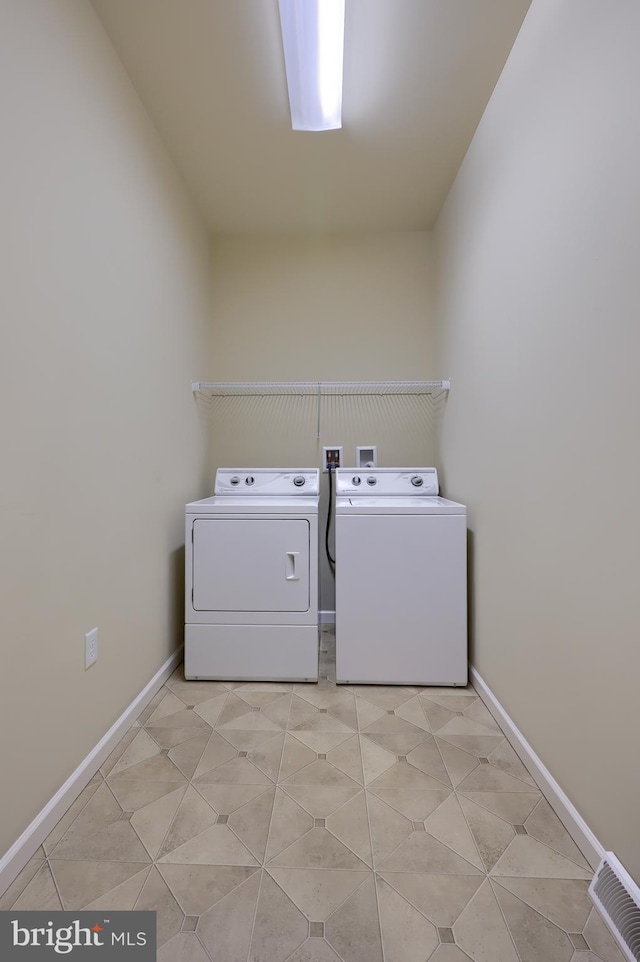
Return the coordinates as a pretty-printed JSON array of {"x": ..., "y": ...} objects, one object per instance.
[{"x": 618, "y": 898}]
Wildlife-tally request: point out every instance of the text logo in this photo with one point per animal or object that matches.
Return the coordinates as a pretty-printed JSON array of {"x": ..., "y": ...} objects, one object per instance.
[{"x": 118, "y": 936}]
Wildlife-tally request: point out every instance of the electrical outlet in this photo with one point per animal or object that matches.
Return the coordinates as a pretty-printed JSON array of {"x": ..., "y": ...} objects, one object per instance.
[
  {"x": 331, "y": 457},
  {"x": 90, "y": 648}
]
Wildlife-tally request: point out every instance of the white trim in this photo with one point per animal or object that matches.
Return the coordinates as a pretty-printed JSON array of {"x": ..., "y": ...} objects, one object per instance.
[
  {"x": 14, "y": 860},
  {"x": 564, "y": 808},
  {"x": 327, "y": 617}
]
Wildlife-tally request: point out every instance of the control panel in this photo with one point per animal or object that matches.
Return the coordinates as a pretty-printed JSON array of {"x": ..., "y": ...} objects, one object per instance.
[
  {"x": 267, "y": 482},
  {"x": 387, "y": 482}
]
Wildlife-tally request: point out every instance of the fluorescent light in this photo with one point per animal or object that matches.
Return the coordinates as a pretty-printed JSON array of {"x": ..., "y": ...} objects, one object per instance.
[{"x": 313, "y": 40}]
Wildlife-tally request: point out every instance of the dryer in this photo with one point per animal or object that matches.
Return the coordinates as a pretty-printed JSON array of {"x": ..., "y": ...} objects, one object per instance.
[
  {"x": 401, "y": 579},
  {"x": 251, "y": 577}
]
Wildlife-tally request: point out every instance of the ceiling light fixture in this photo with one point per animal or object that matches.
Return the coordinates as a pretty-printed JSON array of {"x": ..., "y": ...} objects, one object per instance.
[{"x": 313, "y": 40}]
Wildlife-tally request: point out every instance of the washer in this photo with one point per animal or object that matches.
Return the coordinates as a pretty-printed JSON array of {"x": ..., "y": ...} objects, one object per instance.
[
  {"x": 401, "y": 579},
  {"x": 251, "y": 585}
]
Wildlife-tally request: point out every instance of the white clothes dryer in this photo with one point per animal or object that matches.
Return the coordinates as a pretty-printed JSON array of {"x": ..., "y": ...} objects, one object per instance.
[
  {"x": 251, "y": 577},
  {"x": 401, "y": 579}
]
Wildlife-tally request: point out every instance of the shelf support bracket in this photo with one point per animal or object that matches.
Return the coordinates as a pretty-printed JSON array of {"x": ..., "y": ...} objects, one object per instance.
[{"x": 318, "y": 405}]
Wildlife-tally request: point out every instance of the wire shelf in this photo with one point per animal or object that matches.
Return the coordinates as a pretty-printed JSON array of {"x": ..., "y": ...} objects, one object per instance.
[{"x": 319, "y": 389}]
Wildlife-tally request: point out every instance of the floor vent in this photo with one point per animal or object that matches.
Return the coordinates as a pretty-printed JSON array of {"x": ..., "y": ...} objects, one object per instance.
[{"x": 618, "y": 898}]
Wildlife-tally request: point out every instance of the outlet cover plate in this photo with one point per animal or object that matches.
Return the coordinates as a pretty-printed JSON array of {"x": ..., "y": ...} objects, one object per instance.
[{"x": 90, "y": 648}]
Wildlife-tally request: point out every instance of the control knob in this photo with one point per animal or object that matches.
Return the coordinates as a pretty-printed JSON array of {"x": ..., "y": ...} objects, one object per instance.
[
  {"x": 235, "y": 480},
  {"x": 417, "y": 481},
  {"x": 371, "y": 480},
  {"x": 356, "y": 480},
  {"x": 299, "y": 480},
  {"x": 249, "y": 479}
]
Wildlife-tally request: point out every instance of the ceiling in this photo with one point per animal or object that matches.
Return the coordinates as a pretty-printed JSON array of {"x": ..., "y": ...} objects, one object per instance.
[{"x": 417, "y": 77}]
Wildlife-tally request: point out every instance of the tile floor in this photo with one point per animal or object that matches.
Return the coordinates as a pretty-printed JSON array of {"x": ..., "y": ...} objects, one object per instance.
[{"x": 310, "y": 823}]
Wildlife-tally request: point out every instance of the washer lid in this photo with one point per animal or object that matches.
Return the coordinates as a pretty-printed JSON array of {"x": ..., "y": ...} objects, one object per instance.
[
  {"x": 267, "y": 482},
  {"x": 386, "y": 482},
  {"x": 394, "y": 505}
]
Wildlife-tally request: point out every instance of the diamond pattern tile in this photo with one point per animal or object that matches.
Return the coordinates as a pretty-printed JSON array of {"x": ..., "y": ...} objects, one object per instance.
[
  {"x": 198, "y": 887},
  {"x": 353, "y": 930},
  {"x": 42, "y": 892},
  {"x": 321, "y": 801},
  {"x": 388, "y": 828},
  {"x": 350, "y": 825},
  {"x": 279, "y": 926},
  {"x": 289, "y": 822},
  {"x": 403, "y": 927},
  {"x": 192, "y": 817},
  {"x": 123, "y": 897},
  {"x": 440, "y": 898},
  {"x": 318, "y": 849},
  {"x": 153, "y": 821},
  {"x": 225, "y": 929},
  {"x": 318, "y": 892},
  {"x": 321, "y": 823},
  {"x": 187, "y": 755}
]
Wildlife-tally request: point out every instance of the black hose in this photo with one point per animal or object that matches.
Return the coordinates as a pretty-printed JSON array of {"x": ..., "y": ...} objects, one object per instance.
[{"x": 326, "y": 535}]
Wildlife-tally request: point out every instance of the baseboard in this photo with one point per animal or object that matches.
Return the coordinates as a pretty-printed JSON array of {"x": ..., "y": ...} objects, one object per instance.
[
  {"x": 34, "y": 835},
  {"x": 564, "y": 808},
  {"x": 327, "y": 617}
]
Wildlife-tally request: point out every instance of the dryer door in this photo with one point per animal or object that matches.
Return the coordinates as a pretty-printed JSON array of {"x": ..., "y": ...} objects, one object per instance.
[{"x": 250, "y": 565}]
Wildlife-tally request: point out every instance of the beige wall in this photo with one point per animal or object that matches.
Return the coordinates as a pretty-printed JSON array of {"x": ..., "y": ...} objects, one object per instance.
[
  {"x": 331, "y": 308},
  {"x": 104, "y": 306},
  {"x": 539, "y": 294}
]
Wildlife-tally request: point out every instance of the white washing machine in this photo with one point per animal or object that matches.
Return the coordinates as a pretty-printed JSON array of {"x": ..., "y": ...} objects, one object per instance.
[
  {"x": 251, "y": 585},
  {"x": 401, "y": 579}
]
